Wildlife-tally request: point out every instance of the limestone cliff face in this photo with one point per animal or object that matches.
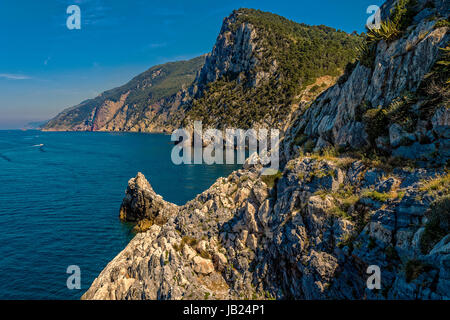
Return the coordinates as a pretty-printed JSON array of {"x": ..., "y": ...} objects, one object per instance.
[
  {"x": 235, "y": 52},
  {"x": 243, "y": 239},
  {"x": 248, "y": 80},
  {"x": 311, "y": 231},
  {"x": 262, "y": 67},
  {"x": 398, "y": 70}
]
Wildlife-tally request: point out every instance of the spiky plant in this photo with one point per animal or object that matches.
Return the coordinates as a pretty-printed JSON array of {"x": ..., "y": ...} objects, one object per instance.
[
  {"x": 387, "y": 31},
  {"x": 444, "y": 63},
  {"x": 366, "y": 54}
]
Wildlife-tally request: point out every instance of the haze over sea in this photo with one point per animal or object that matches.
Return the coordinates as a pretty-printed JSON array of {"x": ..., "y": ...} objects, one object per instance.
[{"x": 60, "y": 195}]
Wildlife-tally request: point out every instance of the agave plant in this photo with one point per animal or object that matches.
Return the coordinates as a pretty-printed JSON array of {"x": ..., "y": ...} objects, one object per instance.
[
  {"x": 366, "y": 54},
  {"x": 444, "y": 63},
  {"x": 387, "y": 31}
]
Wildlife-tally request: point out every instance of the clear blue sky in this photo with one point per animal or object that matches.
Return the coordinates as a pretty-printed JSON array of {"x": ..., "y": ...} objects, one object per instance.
[{"x": 45, "y": 67}]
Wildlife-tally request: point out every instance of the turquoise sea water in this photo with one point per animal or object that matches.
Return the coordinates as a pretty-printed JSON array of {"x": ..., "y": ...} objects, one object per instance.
[{"x": 60, "y": 195}]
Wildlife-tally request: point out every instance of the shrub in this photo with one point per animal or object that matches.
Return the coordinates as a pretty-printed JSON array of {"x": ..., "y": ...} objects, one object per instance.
[
  {"x": 438, "y": 224},
  {"x": 440, "y": 183},
  {"x": 348, "y": 241},
  {"x": 403, "y": 13},
  {"x": 414, "y": 268},
  {"x": 192, "y": 242},
  {"x": 442, "y": 23},
  {"x": 377, "y": 196},
  {"x": 388, "y": 31},
  {"x": 271, "y": 180},
  {"x": 366, "y": 54},
  {"x": 376, "y": 122},
  {"x": 309, "y": 145}
]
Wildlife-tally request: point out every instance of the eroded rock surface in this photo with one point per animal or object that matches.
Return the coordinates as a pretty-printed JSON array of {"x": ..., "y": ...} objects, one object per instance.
[{"x": 312, "y": 231}]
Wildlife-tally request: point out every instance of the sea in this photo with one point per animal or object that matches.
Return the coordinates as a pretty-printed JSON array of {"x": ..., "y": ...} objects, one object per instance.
[{"x": 60, "y": 194}]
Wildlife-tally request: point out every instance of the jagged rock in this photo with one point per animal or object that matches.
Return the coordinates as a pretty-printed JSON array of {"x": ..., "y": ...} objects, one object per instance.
[
  {"x": 416, "y": 151},
  {"x": 398, "y": 136},
  {"x": 399, "y": 65},
  {"x": 220, "y": 261},
  {"x": 442, "y": 247},
  {"x": 141, "y": 202},
  {"x": 387, "y": 185},
  {"x": 307, "y": 238}
]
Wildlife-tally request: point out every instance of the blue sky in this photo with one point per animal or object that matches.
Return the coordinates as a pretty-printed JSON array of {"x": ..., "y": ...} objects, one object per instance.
[{"x": 45, "y": 67}]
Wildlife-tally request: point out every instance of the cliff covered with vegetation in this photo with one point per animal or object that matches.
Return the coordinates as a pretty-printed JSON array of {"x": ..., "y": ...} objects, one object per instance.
[{"x": 364, "y": 182}]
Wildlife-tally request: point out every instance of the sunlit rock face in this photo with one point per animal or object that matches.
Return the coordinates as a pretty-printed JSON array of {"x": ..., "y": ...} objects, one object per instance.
[{"x": 312, "y": 230}]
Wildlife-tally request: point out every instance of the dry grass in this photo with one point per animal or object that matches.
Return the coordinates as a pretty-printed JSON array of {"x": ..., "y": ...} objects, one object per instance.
[{"x": 440, "y": 183}]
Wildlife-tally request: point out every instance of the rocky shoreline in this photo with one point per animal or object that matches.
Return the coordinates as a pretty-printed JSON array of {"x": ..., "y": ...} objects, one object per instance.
[
  {"x": 243, "y": 239},
  {"x": 364, "y": 181}
]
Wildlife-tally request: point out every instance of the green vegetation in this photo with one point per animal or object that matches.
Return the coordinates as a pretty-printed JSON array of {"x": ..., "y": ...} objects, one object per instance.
[
  {"x": 143, "y": 225},
  {"x": 391, "y": 29},
  {"x": 157, "y": 83},
  {"x": 347, "y": 241},
  {"x": 414, "y": 268},
  {"x": 204, "y": 254},
  {"x": 302, "y": 53},
  {"x": 438, "y": 225},
  {"x": 190, "y": 241},
  {"x": 436, "y": 85},
  {"x": 403, "y": 13},
  {"x": 439, "y": 184},
  {"x": 271, "y": 180},
  {"x": 378, "y": 120},
  {"x": 344, "y": 199},
  {"x": 375, "y": 195},
  {"x": 442, "y": 23},
  {"x": 388, "y": 31}
]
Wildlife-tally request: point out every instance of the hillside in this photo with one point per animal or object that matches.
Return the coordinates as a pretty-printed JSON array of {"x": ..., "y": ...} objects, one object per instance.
[
  {"x": 364, "y": 182},
  {"x": 259, "y": 71},
  {"x": 143, "y": 104},
  {"x": 263, "y": 65}
]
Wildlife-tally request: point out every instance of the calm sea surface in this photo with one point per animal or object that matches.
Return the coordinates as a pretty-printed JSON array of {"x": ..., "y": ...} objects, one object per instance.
[{"x": 60, "y": 195}]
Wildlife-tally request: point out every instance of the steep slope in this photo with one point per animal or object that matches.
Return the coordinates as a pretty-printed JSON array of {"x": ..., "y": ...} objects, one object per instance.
[
  {"x": 394, "y": 102},
  {"x": 146, "y": 103},
  {"x": 263, "y": 65},
  {"x": 337, "y": 207}
]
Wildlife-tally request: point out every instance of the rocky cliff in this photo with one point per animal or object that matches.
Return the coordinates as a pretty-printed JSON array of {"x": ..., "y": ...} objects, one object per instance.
[
  {"x": 364, "y": 182},
  {"x": 261, "y": 67},
  {"x": 151, "y": 102}
]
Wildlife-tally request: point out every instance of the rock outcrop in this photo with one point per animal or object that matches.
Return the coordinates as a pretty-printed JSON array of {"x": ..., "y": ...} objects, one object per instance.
[
  {"x": 336, "y": 118},
  {"x": 142, "y": 203},
  {"x": 245, "y": 64},
  {"x": 311, "y": 236}
]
